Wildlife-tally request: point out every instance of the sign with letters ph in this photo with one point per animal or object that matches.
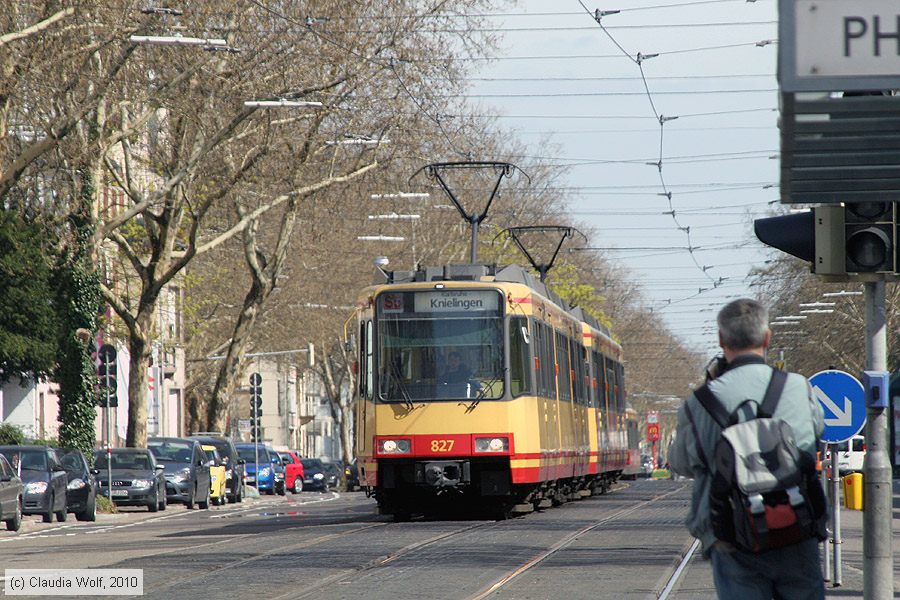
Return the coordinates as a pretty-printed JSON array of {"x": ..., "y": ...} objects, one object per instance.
[{"x": 838, "y": 45}]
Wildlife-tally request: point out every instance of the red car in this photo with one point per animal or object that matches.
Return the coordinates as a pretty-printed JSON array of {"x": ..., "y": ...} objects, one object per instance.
[{"x": 293, "y": 471}]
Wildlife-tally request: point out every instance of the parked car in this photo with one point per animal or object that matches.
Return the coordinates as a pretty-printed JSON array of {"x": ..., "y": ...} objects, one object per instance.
[
  {"x": 234, "y": 464},
  {"x": 186, "y": 469},
  {"x": 333, "y": 473},
  {"x": 82, "y": 488},
  {"x": 314, "y": 476},
  {"x": 850, "y": 453},
  {"x": 270, "y": 467},
  {"x": 44, "y": 480},
  {"x": 137, "y": 479},
  {"x": 12, "y": 494},
  {"x": 293, "y": 471},
  {"x": 351, "y": 475},
  {"x": 216, "y": 474}
]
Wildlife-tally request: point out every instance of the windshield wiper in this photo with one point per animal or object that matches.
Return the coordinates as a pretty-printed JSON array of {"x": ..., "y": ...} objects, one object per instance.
[
  {"x": 395, "y": 375},
  {"x": 481, "y": 394}
]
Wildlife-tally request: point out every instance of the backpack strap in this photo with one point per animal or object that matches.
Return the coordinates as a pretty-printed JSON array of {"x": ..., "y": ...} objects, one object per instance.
[
  {"x": 712, "y": 405},
  {"x": 773, "y": 394}
]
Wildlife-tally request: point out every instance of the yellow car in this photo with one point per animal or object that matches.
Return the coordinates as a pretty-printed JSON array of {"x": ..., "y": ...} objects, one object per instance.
[{"x": 216, "y": 475}]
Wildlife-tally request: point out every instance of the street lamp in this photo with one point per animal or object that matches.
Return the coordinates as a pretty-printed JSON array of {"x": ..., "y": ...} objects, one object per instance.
[
  {"x": 281, "y": 103},
  {"x": 176, "y": 40},
  {"x": 357, "y": 140},
  {"x": 395, "y": 195},
  {"x": 380, "y": 238}
]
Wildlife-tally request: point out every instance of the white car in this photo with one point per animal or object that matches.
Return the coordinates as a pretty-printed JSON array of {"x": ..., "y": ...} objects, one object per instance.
[{"x": 850, "y": 454}]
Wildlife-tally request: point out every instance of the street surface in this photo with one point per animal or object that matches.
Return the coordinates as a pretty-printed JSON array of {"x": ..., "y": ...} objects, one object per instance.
[{"x": 626, "y": 544}]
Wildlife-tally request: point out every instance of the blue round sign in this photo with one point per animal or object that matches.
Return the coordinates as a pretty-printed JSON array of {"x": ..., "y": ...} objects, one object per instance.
[{"x": 843, "y": 401}]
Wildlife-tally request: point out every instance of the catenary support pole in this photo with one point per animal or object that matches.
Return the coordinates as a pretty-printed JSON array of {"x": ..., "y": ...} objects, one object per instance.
[{"x": 878, "y": 562}]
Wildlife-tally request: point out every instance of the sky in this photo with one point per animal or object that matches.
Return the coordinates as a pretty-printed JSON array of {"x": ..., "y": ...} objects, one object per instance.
[{"x": 559, "y": 77}]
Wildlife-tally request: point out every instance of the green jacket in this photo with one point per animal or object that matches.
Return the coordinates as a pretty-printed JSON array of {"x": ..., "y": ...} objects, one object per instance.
[{"x": 746, "y": 378}]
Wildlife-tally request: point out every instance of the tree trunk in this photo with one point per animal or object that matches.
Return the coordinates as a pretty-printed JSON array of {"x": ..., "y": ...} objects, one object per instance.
[
  {"x": 139, "y": 348},
  {"x": 227, "y": 377}
]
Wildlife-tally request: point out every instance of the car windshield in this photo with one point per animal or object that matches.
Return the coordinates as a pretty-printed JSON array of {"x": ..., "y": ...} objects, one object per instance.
[
  {"x": 26, "y": 460},
  {"x": 311, "y": 463},
  {"x": 249, "y": 454},
  {"x": 222, "y": 447},
  {"x": 171, "y": 452},
  {"x": 131, "y": 461},
  {"x": 71, "y": 460},
  {"x": 440, "y": 345},
  {"x": 212, "y": 455}
]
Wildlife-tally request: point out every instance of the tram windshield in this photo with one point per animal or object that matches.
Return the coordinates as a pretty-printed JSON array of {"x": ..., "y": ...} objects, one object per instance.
[{"x": 442, "y": 344}]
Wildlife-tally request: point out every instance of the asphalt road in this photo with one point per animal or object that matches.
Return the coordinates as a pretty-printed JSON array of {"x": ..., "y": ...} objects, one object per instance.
[{"x": 625, "y": 544}]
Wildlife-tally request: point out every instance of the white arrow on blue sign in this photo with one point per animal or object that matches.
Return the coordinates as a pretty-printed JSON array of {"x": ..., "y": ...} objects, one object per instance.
[{"x": 844, "y": 402}]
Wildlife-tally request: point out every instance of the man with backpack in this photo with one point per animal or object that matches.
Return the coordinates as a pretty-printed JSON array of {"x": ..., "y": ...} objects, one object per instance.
[{"x": 748, "y": 438}]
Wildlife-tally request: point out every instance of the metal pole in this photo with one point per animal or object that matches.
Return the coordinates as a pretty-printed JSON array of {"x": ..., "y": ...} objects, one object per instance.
[
  {"x": 836, "y": 515},
  {"x": 823, "y": 475},
  {"x": 878, "y": 560},
  {"x": 474, "y": 252},
  {"x": 108, "y": 445},
  {"x": 256, "y": 431}
]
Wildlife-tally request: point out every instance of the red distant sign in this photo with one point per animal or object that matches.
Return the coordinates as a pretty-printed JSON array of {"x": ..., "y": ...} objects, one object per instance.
[{"x": 653, "y": 431}]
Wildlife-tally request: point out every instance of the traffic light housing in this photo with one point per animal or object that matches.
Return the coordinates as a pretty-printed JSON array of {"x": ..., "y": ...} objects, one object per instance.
[
  {"x": 838, "y": 240},
  {"x": 255, "y": 395}
]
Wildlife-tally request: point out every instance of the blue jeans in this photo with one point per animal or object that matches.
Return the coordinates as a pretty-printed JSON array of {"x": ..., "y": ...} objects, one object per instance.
[{"x": 790, "y": 573}]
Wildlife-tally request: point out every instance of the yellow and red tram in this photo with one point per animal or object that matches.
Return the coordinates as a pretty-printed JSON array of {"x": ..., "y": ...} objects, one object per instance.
[{"x": 536, "y": 414}]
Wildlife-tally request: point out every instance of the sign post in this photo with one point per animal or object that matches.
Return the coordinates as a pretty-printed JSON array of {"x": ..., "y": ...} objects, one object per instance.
[
  {"x": 843, "y": 402},
  {"x": 107, "y": 372},
  {"x": 653, "y": 434}
]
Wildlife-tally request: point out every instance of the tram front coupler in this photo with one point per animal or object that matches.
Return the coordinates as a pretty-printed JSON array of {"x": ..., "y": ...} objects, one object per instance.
[{"x": 443, "y": 473}]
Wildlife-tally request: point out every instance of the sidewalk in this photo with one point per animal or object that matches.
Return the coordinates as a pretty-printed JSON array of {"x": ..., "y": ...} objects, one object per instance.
[{"x": 697, "y": 583}]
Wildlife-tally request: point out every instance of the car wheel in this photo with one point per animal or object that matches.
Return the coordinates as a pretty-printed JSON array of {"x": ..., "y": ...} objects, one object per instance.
[
  {"x": 205, "y": 503},
  {"x": 153, "y": 505},
  {"x": 16, "y": 522},
  {"x": 298, "y": 485},
  {"x": 189, "y": 503},
  {"x": 164, "y": 502},
  {"x": 239, "y": 497},
  {"x": 47, "y": 517},
  {"x": 90, "y": 511}
]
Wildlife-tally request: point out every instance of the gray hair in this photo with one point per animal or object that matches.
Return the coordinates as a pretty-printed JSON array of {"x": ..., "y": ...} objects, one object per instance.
[{"x": 743, "y": 324}]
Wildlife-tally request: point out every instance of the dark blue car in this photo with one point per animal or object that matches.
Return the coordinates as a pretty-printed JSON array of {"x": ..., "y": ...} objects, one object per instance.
[{"x": 44, "y": 480}]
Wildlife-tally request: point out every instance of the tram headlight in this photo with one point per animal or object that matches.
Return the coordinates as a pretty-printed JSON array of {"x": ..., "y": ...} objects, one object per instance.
[
  {"x": 492, "y": 444},
  {"x": 394, "y": 446}
]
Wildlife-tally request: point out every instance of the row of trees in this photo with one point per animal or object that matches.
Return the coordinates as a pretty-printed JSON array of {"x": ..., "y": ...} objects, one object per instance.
[{"x": 128, "y": 168}]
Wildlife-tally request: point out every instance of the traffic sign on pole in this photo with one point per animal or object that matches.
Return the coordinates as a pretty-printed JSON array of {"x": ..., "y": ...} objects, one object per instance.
[{"x": 844, "y": 402}]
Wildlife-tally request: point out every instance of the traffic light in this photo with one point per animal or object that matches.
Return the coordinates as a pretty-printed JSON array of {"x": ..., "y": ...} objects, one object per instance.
[
  {"x": 869, "y": 237},
  {"x": 106, "y": 373},
  {"x": 255, "y": 394},
  {"x": 836, "y": 239},
  {"x": 255, "y": 430}
]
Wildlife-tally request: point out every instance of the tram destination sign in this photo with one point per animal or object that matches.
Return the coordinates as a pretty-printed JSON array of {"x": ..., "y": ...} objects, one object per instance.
[
  {"x": 838, "y": 45},
  {"x": 457, "y": 301}
]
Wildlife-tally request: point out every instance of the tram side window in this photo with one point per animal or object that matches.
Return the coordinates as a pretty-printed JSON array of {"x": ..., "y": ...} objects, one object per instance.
[
  {"x": 361, "y": 357},
  {"x": 564, "y": 376},
  {"x": 369, "y": 366},
  {"x": 597, "y": 383},
  {"x": 544, "y": 349},
  {"x": 620, "y": 387},
  {"x": 519, "y": 357},
  {"x": 578, "y": 365},
  {"x": 611, "y": 386}
]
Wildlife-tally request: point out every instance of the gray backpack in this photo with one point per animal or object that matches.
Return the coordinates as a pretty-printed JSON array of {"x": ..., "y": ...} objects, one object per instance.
[{"x": 764, "y": 492}]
